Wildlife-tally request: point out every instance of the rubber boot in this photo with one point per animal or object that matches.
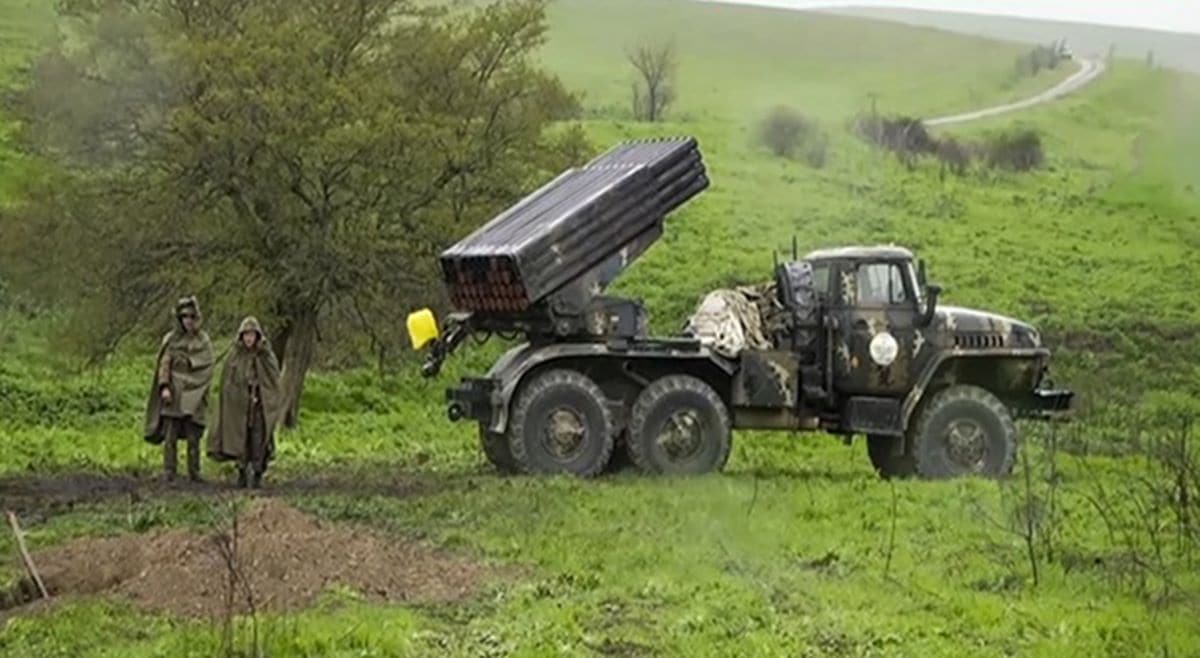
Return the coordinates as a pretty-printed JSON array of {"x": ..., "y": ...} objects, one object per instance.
[
  {"x": 194, "y": 460},
  {"x": 169, "y": 460}
]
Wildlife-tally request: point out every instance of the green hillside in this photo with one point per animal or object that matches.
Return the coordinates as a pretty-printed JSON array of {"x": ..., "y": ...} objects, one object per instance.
[
  {"x": 1179, "y": 50},
  {"x": 827, "y": 65},
  {"x": 798, "y": 549}
]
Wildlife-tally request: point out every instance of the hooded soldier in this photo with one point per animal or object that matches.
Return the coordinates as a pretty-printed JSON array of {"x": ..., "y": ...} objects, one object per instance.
[
  {"x": 250, "y": 405},
  {"x": 178, "y": 400}
]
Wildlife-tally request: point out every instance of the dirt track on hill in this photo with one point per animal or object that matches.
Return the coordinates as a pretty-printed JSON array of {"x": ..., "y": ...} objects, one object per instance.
[{"x": 1089, "y": 71}]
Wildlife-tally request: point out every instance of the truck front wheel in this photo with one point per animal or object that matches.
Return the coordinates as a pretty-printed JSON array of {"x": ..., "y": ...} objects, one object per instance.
[
  {"x": 496, "y": 449},
  {"x": 964, "y": 430},
  {"x": 561, "y": 424},
  {"x": 679, "y": 425}
]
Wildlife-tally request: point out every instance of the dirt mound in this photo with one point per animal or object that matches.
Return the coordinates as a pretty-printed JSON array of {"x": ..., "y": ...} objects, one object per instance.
[{"x": 285, "y": 559}]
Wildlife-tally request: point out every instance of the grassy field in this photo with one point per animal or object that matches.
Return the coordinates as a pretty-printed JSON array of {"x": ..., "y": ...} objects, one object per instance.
[{"x": 798, "y": 549}]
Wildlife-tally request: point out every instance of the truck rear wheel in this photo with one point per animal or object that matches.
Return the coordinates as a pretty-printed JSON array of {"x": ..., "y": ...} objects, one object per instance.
[
  {"x": 679, "y": 425},
  {"x": 561, "y": 424},
  {"x": 964, "y": 430},
  {"x": 887, "y": 463},
  {"x": 496, "y": 449}
]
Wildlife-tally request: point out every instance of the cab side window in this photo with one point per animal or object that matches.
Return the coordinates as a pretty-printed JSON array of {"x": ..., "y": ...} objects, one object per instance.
[{"x": 880, "y": 284}]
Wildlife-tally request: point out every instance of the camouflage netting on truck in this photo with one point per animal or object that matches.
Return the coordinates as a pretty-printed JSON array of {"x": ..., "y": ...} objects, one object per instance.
[{"x": 729, "y": 320}]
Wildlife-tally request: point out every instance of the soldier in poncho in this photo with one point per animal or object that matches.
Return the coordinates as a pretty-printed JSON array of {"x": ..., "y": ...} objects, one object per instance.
[
  {"x": 250, "y": 405},
  {"x": 178, "y": 401}
]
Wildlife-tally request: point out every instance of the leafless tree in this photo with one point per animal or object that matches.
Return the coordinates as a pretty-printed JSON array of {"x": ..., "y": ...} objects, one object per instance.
[
  {"x": 1029, "y": 505},
  {"x": 654, "y": 90}
]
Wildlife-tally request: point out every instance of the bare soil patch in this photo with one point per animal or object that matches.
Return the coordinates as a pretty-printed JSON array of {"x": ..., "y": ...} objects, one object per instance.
[{"x": 286, "y": 557}]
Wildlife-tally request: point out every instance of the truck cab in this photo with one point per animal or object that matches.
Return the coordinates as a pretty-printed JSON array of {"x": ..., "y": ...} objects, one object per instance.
[{"x": 894, "y": 357}]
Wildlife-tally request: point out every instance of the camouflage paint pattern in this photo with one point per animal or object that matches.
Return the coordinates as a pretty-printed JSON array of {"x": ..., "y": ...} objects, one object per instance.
[
  {"x": 767, "y": 379},
  {"x": 1014, "y": 347}
]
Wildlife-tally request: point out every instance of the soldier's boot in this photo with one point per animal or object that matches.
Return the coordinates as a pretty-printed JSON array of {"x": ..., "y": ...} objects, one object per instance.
[
  {"x": 243, "y": 476},
  {"x": 170, "y": 459},
  {"x": 257, "y": 482},
  {"x": 194, "y": 459}
]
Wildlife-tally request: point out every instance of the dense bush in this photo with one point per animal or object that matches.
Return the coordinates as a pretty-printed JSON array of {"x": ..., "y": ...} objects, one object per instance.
[
  {"x": 1018, "y": 150},
  {"x": 955, "y": 155},
  {"x": 1041, "y": 58},
  {"x": 907, "y": 137},
  {"x": 787, "y": 133}
]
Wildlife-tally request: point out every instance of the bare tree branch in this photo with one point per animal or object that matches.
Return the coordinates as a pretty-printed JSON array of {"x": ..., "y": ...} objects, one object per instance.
[{"x": 655, "y": 64}]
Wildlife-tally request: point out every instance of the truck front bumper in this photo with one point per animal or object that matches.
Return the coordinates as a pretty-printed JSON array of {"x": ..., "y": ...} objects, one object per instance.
[
  {"x": 1048, "y": 404},
  {"x": 471, "y": 399}
]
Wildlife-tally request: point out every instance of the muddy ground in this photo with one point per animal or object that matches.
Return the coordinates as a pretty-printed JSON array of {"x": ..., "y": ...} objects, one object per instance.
[{"x": 37, "y": 496}]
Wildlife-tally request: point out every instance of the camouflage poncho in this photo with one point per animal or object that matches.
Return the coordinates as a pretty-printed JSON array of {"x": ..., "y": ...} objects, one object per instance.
[
  {"x": 246, "y": 368},
  {"x": 189, "y": 363}
]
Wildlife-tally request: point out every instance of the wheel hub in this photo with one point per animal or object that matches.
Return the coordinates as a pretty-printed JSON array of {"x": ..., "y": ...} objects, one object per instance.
[
  {"x": 563, "y": 433},
  {"x": 681, "y": 435},
  {"x": 966, "y": 443}
]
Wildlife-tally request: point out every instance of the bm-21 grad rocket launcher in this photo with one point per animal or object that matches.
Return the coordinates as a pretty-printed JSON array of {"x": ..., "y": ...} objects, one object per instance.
[
  {"x": 859, "y": 344},
  {"x": 540, "y": 267}
]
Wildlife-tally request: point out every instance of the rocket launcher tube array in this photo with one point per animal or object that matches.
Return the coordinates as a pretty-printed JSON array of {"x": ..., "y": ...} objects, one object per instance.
[{"x": 572, "y": 224}]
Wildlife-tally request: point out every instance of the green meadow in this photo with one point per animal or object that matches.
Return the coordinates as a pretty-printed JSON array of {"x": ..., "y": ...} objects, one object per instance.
[{"x": 798, "y": 549}]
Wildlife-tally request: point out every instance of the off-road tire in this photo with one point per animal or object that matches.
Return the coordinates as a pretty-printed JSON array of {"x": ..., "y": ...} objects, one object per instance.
[
  {"x": 976, "y": 408},
  {"x": 568, "y": 390},
  {"x": 887, "y": 464},
  {"x": 498, "y": 452},
  {"x": 655, "y": 406}
]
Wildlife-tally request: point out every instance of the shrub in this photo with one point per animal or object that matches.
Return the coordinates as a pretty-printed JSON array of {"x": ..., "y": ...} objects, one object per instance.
[
  {"x": 783, "y": 130},
  {"x": 787, "y": 133},
  {"x": 905, "y": 135},
  {"x": 1040, "y": 58},
  {"x": 954, "y": 155},
  {"x": 1019, "y": 150}
]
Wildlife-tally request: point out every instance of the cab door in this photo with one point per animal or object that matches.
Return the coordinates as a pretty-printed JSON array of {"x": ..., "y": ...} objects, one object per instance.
[{"x": 876, "y": 334}]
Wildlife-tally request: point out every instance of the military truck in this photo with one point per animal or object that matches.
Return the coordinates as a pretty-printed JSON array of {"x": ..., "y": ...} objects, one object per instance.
[{"x": 860, "y": 345}]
